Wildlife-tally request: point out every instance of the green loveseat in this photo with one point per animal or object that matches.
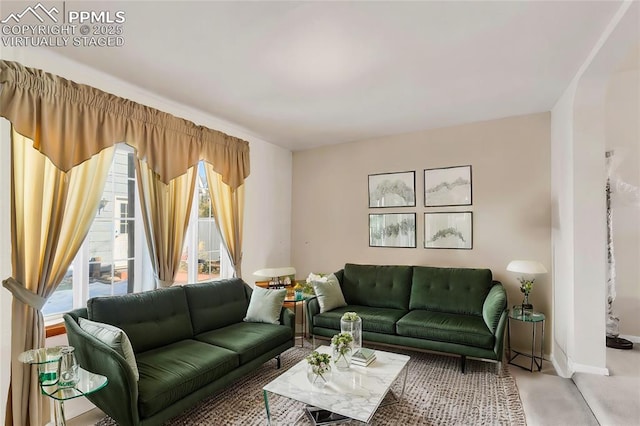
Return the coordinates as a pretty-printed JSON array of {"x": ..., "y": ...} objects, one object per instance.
[
  {"x": 461, "y": 311},
  {"x": 189, "y": 341}
]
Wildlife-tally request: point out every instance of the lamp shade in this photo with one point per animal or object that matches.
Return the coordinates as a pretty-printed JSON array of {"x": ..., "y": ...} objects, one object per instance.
[
  {"x": 530, "y": 267},
  {"x": 275, "y": 272}
]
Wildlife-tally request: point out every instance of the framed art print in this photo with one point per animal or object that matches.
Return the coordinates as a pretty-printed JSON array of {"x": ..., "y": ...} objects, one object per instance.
[
  {"x": 448, "y": 230},
  {"x": 449, "y": 186},
  {"x": 392, "y": 230},
  {"x": 392, "y": 190}
]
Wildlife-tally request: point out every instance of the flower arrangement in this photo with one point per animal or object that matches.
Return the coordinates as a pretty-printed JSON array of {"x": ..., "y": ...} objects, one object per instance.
[
  {"x": 342, "y": 346},
  {"x": 350, "y": 316},
  {"x": 320, "y": 364},
  {"x": 526, "y": 285},
  {"x": 308, "y": 285}
]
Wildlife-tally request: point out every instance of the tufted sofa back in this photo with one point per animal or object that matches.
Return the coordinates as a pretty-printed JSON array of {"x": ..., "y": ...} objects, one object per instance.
[
  {"x": 150, "y": 319},
  {"x": 377, "y": 286},
  {"x": 454, "y": 290}
]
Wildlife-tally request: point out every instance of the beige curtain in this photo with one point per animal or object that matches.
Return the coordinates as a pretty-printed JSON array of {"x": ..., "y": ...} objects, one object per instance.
[
  {"x": 52, "y": 212},
  {"x": 228, "y": 211},
  {"x": 165, "y": 213},
  {"x": 76, "y": 125},
  {"x": 56, "y": 113}
]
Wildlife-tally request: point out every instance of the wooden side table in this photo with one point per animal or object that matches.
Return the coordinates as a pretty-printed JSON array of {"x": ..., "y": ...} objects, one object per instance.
[{"x": 533, "y": 318}]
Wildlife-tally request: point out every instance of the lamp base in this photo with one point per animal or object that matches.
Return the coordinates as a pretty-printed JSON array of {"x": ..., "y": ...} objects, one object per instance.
[{"x": 619, "y": 343}]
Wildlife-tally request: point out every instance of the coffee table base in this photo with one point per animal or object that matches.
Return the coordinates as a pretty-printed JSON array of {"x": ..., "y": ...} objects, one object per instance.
[{"x": 320, "y": 417}]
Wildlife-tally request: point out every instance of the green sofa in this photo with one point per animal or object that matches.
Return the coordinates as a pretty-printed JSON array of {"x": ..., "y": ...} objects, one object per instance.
[
  {"x": 461, "y": 311},
  {"x": 189, "y": 341}
]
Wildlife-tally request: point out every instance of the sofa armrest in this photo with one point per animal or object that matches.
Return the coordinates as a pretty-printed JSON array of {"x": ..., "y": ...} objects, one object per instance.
[
  {"x": 313, "y": 309},
  {"x": 288, "y": 318},
  {"x": 119, "y": 398},
  {"x": 494, "y": 306}
]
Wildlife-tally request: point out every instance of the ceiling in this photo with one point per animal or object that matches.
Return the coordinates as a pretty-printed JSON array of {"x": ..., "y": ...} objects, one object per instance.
[{"x": 306, "y": 74}]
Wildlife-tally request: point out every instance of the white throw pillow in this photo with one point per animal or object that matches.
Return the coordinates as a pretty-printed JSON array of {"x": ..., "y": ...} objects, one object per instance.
[
  {"x": 329, "y": 294},
  {"x": 115, "y": 338},
  {"x": 265, "y": 305}
]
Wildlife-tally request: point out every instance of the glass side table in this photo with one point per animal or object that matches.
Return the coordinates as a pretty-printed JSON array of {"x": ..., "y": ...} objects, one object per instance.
[
  {"x": 529, "y": 317},
  {"x": 295, "y": 300},
  {"x": 47, "y": 360}
]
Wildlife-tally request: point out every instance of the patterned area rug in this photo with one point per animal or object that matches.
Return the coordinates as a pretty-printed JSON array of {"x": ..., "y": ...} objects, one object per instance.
[{"x": 436, "y": 393}]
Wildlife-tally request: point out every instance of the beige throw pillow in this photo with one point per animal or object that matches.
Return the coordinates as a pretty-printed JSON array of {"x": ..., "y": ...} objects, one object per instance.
[
  {"x": 329, "y": 294},
  {"x": 113, "y": 337},
  {"x": 265, "y": 305}
]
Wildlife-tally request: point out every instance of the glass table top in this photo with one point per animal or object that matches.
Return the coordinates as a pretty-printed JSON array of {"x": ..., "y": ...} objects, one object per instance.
[
  {"x": 527, "y": 316},
  {"x": 88, "y": 383}
]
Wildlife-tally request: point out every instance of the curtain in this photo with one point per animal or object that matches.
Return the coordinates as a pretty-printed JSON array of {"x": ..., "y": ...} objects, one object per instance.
[
  {"x": 56, "y": 113},
  {"x": 51, "y": 214},
  {"x": 76, "y": 127},
  {"x": 165, "y": 213},
  {"x": 228, "y": 211}
]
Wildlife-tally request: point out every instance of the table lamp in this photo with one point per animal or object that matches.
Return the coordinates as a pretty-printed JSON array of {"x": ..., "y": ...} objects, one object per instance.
[
  {"x": 529, "y": 269},
  {"x": 278, "y": 277}
]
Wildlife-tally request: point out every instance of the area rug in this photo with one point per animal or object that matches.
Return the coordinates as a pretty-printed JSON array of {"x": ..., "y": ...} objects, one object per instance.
[{"x": 436, "y": 393}]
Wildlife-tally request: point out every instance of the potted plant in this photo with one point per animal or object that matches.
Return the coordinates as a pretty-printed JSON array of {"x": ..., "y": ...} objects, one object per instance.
[
  {"x": 342, "y": 345},
  {"x": 318, "y": 368}
]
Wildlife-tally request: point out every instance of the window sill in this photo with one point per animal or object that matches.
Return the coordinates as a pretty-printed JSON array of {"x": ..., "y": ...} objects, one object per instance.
[{"x": 55, "y": 329}]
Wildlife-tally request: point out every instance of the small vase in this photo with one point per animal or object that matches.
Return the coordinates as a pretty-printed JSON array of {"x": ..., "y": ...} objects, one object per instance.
[
  {"x": 527, "y": 308},
  {"x": 342, "y": 361},
  {"x": 355, "y": 329},
  {"x": 67, "y": 368},
  {"x": 317, "y": 376}
]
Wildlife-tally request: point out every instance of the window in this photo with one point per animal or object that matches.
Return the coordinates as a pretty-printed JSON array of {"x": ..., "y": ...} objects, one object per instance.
[
  {"x": 203, "y": 251},
  {"x": 106, "y": 261},
  {"x": 114, "y": 257}
]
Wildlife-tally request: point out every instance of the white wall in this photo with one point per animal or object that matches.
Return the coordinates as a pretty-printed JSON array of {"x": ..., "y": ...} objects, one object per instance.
[
  {"x": 267, "y": 221},
  {"x": 623, "y": 137},
  {"x": 579, "y": 236},
  {"x": 511, "y": 173}
]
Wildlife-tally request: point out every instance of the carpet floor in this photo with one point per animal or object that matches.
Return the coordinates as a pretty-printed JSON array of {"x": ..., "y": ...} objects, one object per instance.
[{"x": 436, "y": 393}]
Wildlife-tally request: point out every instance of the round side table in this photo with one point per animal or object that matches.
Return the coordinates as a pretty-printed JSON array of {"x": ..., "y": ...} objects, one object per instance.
[{"x": 532, "y": 318}]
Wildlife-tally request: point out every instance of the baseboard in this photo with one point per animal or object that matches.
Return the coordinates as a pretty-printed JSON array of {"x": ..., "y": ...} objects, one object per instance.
[
  {"x": 560, "y": 370},
  {"x": 589, "y": 369},
  {"x": 634, "y": 339}
]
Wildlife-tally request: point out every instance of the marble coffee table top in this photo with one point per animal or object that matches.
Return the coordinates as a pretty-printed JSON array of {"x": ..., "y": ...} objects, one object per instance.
[{"x": 355, "y": 393}]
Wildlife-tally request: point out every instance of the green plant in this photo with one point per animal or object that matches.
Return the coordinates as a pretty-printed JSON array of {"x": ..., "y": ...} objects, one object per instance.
[
  {"x": 350, "y": 316},
  {"x": 526, "y": 285},
  {"x": 320, "y": 363},
  {"x": 342, "y": 344}
]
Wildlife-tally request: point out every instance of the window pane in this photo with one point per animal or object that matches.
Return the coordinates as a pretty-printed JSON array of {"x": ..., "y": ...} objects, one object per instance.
[
  {"x": 110, "y": 241},
  {"x": 62, "y": 299}
]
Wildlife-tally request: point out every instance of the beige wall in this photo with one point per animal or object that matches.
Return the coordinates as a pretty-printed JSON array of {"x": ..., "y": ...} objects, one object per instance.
[
  {"x": 510, "y": 159},
  {"x": 623, "y": 137}
]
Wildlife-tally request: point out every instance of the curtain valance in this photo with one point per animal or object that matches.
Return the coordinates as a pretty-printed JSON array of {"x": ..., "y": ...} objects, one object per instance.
[{"x": 70, "y": 122}]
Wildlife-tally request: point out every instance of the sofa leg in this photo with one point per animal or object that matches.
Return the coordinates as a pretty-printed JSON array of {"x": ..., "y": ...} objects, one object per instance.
[
  {"x": 463, "y": 360},
  {"x": 498, "y": 367},
  {"x": 278, "y": 362}
]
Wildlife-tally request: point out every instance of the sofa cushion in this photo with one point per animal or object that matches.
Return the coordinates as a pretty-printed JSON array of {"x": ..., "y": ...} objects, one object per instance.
[
  {"x": 329, "y": 294},
  {"x": 170, "y": 373},
  {"x": 469, "y": 330},
  {"x": 151, "y": 319},
  {"x": 377, "y": 286},
  {"x": 454, "y": 290},
  {"x": 216, "y": 304},
  {"x": 248, "y": 340},
  {"x": 377, "y": 320},
  {"x": 265, "y": 305}
]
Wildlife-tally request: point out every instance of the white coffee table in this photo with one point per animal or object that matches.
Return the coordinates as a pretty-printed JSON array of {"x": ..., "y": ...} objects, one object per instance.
[{"x": 355, "y": 393}]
